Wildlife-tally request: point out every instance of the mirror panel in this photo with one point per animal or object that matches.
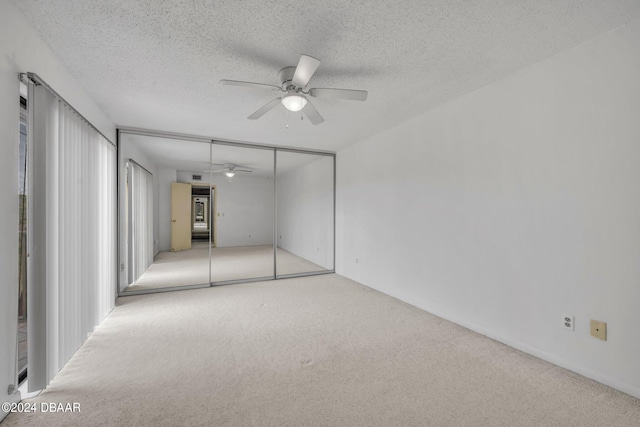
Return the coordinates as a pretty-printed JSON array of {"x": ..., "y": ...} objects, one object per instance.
[
  {"x": 305, "y": 212},
  {"x": 161, "y": 180},
  {"x": 244, "y": 193}
]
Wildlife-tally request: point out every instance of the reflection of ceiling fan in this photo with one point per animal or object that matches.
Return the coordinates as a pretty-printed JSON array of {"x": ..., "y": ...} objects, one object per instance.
[
  {"x": 229, "y": 169},
  {"x": 294, "y": 81}
]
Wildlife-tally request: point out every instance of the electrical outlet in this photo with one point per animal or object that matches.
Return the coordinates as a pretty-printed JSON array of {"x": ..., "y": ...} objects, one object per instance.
[
  {"x": 356, "y": 260},
  {"x": 568, "y": 322},
  {"x": 599, "y": 329}
]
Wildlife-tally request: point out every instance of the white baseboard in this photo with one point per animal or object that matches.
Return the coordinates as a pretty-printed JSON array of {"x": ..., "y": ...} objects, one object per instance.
[
  {"x": 594, "y": 375},
  {"x": 13, "y": 398}
]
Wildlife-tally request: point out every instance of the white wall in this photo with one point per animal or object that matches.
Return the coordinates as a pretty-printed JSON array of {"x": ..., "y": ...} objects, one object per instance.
[
  {"x": 244, "y": 209},
  {"x": 512, "y": 205},
  {"x": 305, "y": 211},
  {"x": 21, "y": 50}
]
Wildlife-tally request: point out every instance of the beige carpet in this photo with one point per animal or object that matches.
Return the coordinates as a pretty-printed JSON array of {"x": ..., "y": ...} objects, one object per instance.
[
  {"x": 190, "y": 267},
  {"x": 313, "y": 351}
]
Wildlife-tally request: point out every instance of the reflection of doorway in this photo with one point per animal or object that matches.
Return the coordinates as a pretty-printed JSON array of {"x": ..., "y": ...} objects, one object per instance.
[
  {"x": 192, "y": 215},
  {"x": 203, "y": 213},
  {"x": 200, "y": 218}
]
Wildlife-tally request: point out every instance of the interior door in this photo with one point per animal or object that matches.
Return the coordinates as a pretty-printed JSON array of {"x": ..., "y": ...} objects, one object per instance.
[{"x": 180, "y": 216}]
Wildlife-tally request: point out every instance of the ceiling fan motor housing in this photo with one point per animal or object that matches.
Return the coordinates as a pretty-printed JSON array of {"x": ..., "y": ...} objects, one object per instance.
[{"x": 286, "y": 76}]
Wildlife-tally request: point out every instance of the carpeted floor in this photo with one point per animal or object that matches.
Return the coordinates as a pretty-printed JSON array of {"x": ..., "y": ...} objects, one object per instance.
[
  {"x": 313, "y": 351},
  {"x": 190, "y": 267}
]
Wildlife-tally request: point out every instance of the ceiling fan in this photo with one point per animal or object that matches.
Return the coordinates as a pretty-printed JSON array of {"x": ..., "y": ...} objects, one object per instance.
[
  {"x": 229, "y": 169},
  {"x": 294, "y": 81}
]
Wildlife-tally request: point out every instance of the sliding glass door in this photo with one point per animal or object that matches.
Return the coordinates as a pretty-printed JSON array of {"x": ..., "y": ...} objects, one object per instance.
[{"x": 71, "y": 199}]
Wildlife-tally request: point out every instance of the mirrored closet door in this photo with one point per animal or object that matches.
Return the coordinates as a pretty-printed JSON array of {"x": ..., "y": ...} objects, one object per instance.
[
  {"x": 195, "y": 212},
  {"x": 166, "y": 213},
  {"x": 244, "y": 187},
  {"x": 305, "y": 212}
]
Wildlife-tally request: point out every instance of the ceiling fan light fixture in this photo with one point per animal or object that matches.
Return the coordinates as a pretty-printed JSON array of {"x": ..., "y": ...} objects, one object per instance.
[
  {"x": 294, "y": 102},
  {"x": 230, "y": 174}
]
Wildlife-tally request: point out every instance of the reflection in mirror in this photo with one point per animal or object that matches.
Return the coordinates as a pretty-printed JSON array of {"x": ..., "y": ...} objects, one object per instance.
[
  {"x": 166, "y": 207},
  {"x": 195, "y": 213},
  {"x": 305, "y": 212},
  {"x": 243, "y": 179}
]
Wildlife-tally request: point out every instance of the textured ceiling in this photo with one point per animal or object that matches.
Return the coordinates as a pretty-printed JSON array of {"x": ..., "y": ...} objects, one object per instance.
[{"x": 157, "y": 64}]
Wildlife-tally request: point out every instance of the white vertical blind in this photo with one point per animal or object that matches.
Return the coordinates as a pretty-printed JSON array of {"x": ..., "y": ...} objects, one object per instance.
[
  {"x": 141, "y": 204},
  {"x": 72, "y": 233}
]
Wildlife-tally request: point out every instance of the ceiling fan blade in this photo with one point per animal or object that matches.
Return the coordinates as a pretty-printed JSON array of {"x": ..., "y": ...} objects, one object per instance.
[
  {"x": 249, "y": 84},
  {"x": 268, "y": 107},
  {"x": 312, "y": 114},
  {"x": 354, "y": 95},
  {"x": 307, "y": 65},
  {"x": 242, "y": 170},
  {"x": 215, "y": 170}
]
